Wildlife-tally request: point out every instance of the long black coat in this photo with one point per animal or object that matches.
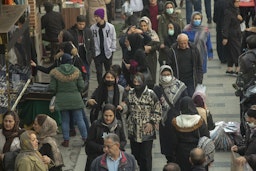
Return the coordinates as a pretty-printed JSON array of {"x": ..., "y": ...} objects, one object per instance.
[{"x": 249, "y": 150}]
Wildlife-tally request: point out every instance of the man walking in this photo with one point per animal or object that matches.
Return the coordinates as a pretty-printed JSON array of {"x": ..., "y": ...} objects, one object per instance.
[
  {"x": 104, "y": 35},
  {"x": 186, "y": 63},
  {"x": 84, "y": 42}
]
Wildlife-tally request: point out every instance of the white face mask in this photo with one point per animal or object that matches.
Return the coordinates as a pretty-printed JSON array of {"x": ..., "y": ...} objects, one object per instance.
[
  {"x": 167, "y": 79},
  {"x": 251, "y": 125},
  {"x": 129, "y": 48}
]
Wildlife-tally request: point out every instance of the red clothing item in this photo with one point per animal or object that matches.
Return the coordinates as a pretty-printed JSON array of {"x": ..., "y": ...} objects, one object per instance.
[{"x": 153, "y": 16}]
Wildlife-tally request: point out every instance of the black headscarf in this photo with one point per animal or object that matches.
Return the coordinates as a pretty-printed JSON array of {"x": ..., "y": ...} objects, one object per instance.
[
  {"x": 187, "y": 106},
  {"x": 102, "y": 92},
  {"x": 136, "y": 42}
]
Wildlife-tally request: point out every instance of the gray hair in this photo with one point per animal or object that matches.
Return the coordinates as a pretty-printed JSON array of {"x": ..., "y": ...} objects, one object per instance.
[{"x": 115, "y": 138}]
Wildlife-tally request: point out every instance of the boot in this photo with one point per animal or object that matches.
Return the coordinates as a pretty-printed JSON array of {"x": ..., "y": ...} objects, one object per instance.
[{"x": 65, "y": 143}]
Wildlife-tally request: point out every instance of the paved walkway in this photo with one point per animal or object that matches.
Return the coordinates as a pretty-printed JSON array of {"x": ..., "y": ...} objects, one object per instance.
[{"x": 224, "y": 106}]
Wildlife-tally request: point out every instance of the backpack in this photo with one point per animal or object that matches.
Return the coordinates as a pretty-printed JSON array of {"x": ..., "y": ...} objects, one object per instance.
[{"x": 208, "y": 146}]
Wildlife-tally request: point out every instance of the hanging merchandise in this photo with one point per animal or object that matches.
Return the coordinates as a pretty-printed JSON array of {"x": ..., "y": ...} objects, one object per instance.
[{"x": 225, "y": 135}]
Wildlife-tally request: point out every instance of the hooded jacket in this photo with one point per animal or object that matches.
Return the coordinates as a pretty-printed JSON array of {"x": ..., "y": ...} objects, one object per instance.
[
  {"x": 189, "y": 127},
  {"x": 67, "y": 81}
]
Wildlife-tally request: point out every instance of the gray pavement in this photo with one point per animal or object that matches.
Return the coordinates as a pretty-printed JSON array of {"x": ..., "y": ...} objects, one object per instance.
[{"x": 222, "y": 102}]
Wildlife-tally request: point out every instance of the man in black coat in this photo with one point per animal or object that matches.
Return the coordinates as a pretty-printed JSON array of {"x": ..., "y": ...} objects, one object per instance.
[
  {"x": 248, "y": 151},
  {"x": 186, "y": 63},
  {"x": 52, "y": 22},
  {"x": 84, "y": 42},
  {"x": 219, "y": 6}
]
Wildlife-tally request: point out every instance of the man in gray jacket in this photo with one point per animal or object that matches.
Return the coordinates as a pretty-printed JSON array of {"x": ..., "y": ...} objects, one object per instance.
[
  {"x": 104, "y": 35},
  {"x": 114, "y": 159}
]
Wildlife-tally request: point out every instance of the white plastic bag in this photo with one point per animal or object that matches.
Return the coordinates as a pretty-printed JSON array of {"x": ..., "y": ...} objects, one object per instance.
[
  {"x": 242, "y": 26},
  {"x": 200, "y": 88}
]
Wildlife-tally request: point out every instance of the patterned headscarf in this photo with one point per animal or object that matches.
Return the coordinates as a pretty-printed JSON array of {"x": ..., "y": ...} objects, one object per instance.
[
  {"x": 46, "y": 136},
  {"x": 48, "y": 128}
]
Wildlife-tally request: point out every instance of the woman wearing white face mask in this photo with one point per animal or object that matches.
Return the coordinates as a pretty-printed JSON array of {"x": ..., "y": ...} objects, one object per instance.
[
  {"x": 248, "y": 151},
  {"x": 169, "y": 92}
]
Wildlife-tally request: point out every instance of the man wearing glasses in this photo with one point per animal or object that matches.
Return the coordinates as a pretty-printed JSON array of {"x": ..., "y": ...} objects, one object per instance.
[{"x": 114, "y": 159}]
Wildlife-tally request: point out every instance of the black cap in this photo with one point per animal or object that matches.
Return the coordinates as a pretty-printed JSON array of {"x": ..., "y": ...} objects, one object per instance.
[{"x": 81, "y": 18}]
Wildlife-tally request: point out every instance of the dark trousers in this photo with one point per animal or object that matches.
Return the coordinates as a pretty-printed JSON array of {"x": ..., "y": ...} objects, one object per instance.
[
  {"x": 99, "y": 62},
  {"x": 190, "y": 86},
  {"x": 143, "y": 154},
  {"x": 219, "y": 46},
  {"x": 208, "y": 8}
]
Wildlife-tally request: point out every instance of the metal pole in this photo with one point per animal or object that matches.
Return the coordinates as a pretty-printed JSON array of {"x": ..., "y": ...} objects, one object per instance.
[{"x": 7, "y": 78}]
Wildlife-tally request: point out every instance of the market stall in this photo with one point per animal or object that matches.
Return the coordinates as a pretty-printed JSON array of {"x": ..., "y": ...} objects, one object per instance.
[
  {"x": 17, "y": 41},
  {"x": 14, "y": 71}
]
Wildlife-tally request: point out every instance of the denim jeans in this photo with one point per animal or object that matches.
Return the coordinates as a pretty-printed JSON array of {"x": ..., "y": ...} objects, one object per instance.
[
  {"x": 78, "y": 118},
  {"x": 72, "y": 124},
  {"x": 189, "y": 8}
]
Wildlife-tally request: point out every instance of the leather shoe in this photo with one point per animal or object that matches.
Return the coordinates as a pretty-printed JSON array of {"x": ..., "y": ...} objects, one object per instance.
[{"x": 65, "y": 143}]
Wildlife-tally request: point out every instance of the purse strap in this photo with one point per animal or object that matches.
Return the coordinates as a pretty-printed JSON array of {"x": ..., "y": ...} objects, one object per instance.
[{"x": 167, "y": 100}]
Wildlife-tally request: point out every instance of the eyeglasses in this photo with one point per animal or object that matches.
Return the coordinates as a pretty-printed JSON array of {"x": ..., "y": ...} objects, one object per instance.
[{"x": 108, "y": 146}]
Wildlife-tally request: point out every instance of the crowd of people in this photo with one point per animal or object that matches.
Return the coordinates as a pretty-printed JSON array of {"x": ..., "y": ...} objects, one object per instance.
[{"x": 128, "y": 104}]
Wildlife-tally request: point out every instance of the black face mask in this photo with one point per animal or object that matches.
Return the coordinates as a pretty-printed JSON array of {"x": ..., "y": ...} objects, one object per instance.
[
  {"x": 139, "y": 89},
  {"x": 109, "y": 83}
]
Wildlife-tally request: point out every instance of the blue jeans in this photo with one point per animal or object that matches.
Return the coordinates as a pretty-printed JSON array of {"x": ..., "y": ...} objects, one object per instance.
[
  {"x": 78, "y": 118},
  {"x": 72, "y": 124},
  {"x": 189, "y": 8}
]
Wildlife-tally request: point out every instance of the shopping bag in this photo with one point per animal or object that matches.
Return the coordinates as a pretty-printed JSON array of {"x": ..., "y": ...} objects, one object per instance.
[
  {"x": 200, "y": 88},
  {"x": 236, "y": 166}
]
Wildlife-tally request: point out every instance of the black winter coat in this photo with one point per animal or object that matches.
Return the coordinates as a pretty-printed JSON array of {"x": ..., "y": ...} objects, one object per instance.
[
  {"x": 94, "y": 143},
  {"x": 88, "y": 40},
  {"x": 249, "y": 150}
]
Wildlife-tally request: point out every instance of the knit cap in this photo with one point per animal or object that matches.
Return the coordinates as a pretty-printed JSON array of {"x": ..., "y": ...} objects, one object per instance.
[
  {"x": 100, "y": 12},
  {"x": 66, "y": 59}
]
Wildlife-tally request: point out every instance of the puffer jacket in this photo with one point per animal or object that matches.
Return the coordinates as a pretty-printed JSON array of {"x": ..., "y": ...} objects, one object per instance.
[{"x": 67, "y": 84}]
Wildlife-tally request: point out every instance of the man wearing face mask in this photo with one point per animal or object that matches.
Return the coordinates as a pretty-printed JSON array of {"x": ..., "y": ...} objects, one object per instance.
[
  {"x": 169, "y": 93},
  {"x": 248, "y": 151},
  {"x": 144, "y": 111}
]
